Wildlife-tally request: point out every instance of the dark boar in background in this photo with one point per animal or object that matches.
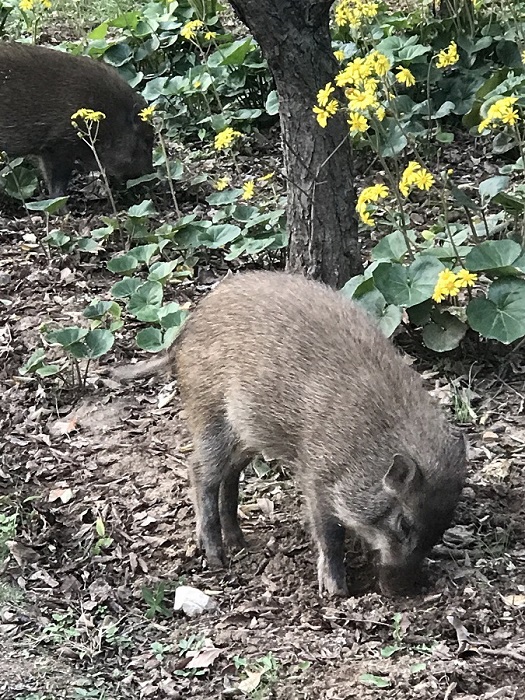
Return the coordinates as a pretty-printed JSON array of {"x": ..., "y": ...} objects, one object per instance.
[
  {"x": 273, "y": 364},
  {"x": 40, "y": 88}
]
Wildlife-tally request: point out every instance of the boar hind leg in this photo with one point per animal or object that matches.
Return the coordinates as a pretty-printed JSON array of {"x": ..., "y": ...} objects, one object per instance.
[
  {"x": 229, "y": 504},
  {"x": 210, "y": 467},
  {"x": 329, "y": 537}
]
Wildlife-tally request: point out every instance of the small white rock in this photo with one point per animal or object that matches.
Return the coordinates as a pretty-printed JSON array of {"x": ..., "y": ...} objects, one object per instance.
[{"x": 192, "y": 601}]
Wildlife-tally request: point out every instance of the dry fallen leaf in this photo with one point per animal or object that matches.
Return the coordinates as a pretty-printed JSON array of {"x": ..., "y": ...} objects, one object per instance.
[
  {"x": 515, "y": 600},
  {"x": 64, "y": 495},
  {"x": 248, "y": 685},
  {"x": 204, "y": 657}
]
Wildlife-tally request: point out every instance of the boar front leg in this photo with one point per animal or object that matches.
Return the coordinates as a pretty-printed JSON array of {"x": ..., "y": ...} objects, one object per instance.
[{"x": 329, "y": 538}]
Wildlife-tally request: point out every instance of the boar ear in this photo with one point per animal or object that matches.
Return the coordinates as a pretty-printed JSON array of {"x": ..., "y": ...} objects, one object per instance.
[{"x": 402, "y": 475}]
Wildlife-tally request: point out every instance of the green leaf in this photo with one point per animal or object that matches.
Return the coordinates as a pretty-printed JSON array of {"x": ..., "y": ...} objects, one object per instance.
[
  {"x": 357, "y": 286},
  {"x": 377, "y": 681},
  {"x": 219, "y": 235},
  {"x": 444, "y": 332},
  {"x": 125, "y": 288},
  {"x": 388, "y": 651},
  {"x": 408, "y": 286},
  {"x": 392, "y": 248},
  {"x": 172, "y": 315},
  {"x": 417, "y": 668},
  {"x": 144, "y": 253},
  {"x": 98, "y": 342},
  {"x": 96, "y": 309},
  {"x": 501, "y": 315},
  {"x": 232, "y": 55},
  {"x": 122, "y": 264},
  {"x": 493, "y": 255},
  {"x": 145, "y": 302},
  {"x": 387, "y": 316},
  {"x": 160, "y": 271},
  {"x": 35, "y": 361},
  {"x": 444, "y": 110},
  {"x": 145, "y": 208},
  {"x": 445, "y": 137},
  {"x": 224, "y": 197},
  {"x": 489, "y": 188},
  {"x": 392, "y": 140},
  {"x": 48, "y": 370},
  {"x": 272, "y": 103},
  {"x": 513, "y": 204},
  {"x": 463, "y": 199},
  {"x": 150, "y": 339},
  {"x": 66, "y": 336},
  {"x": 51, "y": 206}
]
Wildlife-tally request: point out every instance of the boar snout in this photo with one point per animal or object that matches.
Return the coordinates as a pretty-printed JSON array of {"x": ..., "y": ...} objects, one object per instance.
[{"x": 404, "y": 579}]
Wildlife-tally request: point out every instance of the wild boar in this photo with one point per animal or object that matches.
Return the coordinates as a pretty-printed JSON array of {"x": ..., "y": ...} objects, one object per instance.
[
  {"x": 271, "y": 363},
  {"x": 40, "y": 88}
]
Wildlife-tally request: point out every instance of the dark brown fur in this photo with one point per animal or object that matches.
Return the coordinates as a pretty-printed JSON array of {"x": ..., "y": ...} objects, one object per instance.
[
  {"x": 273, "y": 364},
  {"x": 40, "y": 88}
]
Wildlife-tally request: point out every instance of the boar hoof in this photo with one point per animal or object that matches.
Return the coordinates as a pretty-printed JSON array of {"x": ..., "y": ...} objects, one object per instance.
[
  {"x": 235, "y": 541},
  {"x": 331, "y": 587},
  {"x": 215, "y": 560}
]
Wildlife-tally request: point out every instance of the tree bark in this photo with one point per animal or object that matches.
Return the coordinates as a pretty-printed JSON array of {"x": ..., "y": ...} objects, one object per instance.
[{"x": 295, "y": 39}]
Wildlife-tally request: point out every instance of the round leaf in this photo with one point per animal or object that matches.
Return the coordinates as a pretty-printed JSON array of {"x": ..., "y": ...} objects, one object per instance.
[
  {"x": 150, "y": 339},
  {"x": 219, "y": 235},
  {"x": 66, "y": 336},
  {"x": 122, "y": 264},
  {"x": 172, "y": 315},
  {"x": 502, "y": 314},
  {"x": 125, "y": 288},
  {"x": 408, "y": 286},
  {"x": 145, "y": 302},
  {"x": 492, "y": 255},
  {"x": 445, "y": 332},
  {"x": 98, "y": 342}
]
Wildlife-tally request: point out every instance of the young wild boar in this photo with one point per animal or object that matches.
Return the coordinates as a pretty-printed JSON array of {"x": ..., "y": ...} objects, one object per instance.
[
  {"x": 41, "y": 88},
  {"x": 273, "y": 364}
]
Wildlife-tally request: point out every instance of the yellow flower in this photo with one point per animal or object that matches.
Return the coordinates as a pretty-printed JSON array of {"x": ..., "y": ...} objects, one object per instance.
[
  {"x": 46, "y": 4},
  {"x": 500, "y": 111},
  {"x": 381, "y": 63},
  {"x": 415, "y": 176},
  {"x": 222, "y": 183},
  {"x": 466, "y": 278},
  {"x": 339, "y": 56},
  {"x": 447, "y": 285},
  {"x": 189, "y": 29},
  {"x": 523, "y": 56},
  {"x": 423, "y": 179},
  {"x": 248, "y": 189},
  {"x": 225, "y": 138},
  {"x": 405, "y": 77},
  {"x": 88, "y": 115},
  {"x": 323, "y": 96},
  {"x": 210, "y": 35},
  {"x": 367, "y": 196},
  {"x": 358, "y": 123},
  {"x": 146, "y": 114},
  {"x": 448, "y": 57},
  {"x": 324, "y": 113},
  {"x": 359, "y": 100},
  {"x": 380, "y": 113},
  {"x": 26, "y": 5},
  {"x": 265, "y": 178}
]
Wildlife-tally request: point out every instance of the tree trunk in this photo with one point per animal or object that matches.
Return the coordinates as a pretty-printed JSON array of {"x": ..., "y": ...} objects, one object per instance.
[{"x": 295, "y": 40}]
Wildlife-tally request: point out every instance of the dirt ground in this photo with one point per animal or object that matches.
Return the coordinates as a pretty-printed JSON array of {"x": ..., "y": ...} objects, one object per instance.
[{"x": 104, "y": 536}]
